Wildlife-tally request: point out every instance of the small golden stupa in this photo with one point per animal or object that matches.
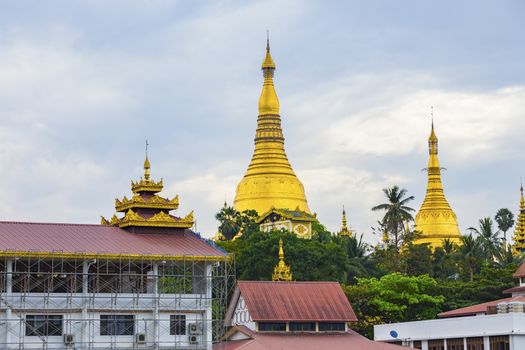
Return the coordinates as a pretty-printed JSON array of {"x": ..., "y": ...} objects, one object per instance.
[
  {"x": 270, "y": 181},
  {"x": 281, "y": 271},
  {"x": 519, "y": 230},
  {"x": 344, "y": 231},
  {"x": 435, "y": 220}
]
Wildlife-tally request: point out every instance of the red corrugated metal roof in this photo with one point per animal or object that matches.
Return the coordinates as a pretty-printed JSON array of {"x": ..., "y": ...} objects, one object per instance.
[
  {"x": 478, "y": 308},
  {"x": 100, "y": 240},
  {"x": 306, "y": 341},
  {"x": 296, "y": 301},
  {"x": 520, "y": 272},
  {"x": 517, "y": 289}
]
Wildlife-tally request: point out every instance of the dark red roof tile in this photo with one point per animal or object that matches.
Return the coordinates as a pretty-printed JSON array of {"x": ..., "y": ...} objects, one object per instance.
[
  {"x": 296, "y": 301},
  {"x": 56, "y": 238}
]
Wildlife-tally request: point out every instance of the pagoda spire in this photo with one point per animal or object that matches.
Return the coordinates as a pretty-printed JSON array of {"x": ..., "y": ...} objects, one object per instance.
[
  {"x": 281, "y": 271},
  {"x": 435, "y": 220},
  {"x": 269, "y": 180},
  {"x": 344, "y": 231},
  {"x": 519, "y": 230}
]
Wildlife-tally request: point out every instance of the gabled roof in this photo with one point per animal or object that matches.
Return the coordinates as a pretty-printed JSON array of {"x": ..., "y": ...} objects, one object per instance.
[
  {"x": 478, "y": 308},
  {"x": 293, "y": 301},
  {"x": 296, "y": 215},
  {"x": 90, "y": 241},
  {"x": 349, "y": 340},
  {"x": 520, "y": 272}
]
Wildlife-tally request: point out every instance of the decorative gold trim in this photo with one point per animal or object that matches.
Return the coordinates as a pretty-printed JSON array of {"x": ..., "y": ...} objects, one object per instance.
[
  {"x": 155, "y": 202},
  {"x": 66, "y": 255},
  {"x": 146, "y": 186}
]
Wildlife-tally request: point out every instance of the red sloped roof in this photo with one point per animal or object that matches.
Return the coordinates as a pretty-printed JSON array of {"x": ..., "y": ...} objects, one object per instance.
[
  {"x": 478, "y": 308},
  {"x": 520, "y": 272},
  {"x": 296, "y": 301},
  {"x": 306, "y": 341},
  {"x": 53, "y": 238}
]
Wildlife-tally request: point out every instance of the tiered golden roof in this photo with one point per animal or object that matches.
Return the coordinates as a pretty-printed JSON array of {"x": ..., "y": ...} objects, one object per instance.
[
  {"x": 519, "y": 230},
  {"x": 270, "y": 180},
  {"x": 344, "y": 231},
  {"x": 281, "y": 271},
  {"x": 146, "y": 208},
  {"x": 435, "y": 220}
]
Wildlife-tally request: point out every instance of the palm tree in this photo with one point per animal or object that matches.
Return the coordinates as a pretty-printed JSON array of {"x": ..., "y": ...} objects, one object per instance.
[
  {"x": 359, "y": 259},
  {"x": 396, "y": 212},
  {"x": 505, "y": 220},
  {"x": 470, "y": 250},
  {"x": 230, "y": 220},
  {"x": 488, "y": 238}
]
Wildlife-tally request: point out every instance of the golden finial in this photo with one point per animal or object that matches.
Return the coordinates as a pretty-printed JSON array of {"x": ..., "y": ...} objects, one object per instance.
[
  {"x": 268, "y": 61},
  {"x": 281, "y": 271},
  {"x": 146, "y": 164},
  {"x": 432, "y": 139},
  {"x": 345, "y": 231},
  {"x": 522, "y": 200}
]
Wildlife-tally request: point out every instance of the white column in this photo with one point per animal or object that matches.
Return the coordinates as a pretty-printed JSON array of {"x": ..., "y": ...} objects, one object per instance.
[
  {"x": 208, "y": 313},
  {"x": 156, "y": 328},
  {"x": 84, "y": 335},
  {"x": 8, "y": 293},
  {"x": 486, "y": 343}
]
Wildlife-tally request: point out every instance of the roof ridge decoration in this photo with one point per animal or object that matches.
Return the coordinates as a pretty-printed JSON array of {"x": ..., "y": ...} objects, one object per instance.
[
  {"x": 344, "y": 231},
  {"x": 146, "y": 208}
]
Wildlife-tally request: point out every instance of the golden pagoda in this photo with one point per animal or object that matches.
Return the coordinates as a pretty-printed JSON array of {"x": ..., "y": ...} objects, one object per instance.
[
  {"x": 281, "y": 271},
  {"x": 146, "y": 211},
  {"x": 519, "y": 230},
  {"x": 344, "y": 231},
  {"x": 270, "y": 181},
  {"x": 435, "y": 220}
]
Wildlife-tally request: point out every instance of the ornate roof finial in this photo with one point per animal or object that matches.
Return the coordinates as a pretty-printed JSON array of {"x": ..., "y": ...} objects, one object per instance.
[
  {"x": 268, "y": 64},
  {"x": 345, "y": 231},
  {"x": 146, "y": 164},
  {"x": 281, "y": 271},
  {"x": 267, "y": 40}
]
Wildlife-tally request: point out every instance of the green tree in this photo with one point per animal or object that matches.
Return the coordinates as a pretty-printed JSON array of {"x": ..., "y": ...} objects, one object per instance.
[
  {"x": 416, "y": 259},
  {"x": 393, "y": 298},
  {"x": 397, "y": 213},
  {"x": 445, "y": 260},
  {"x": 488, "y": 238},
  {"x": 505, "y": 220},
  {"x": 230, "y": 222},
  {"x": 471, "y": 253},
  {"x": 359, "y": 258}
]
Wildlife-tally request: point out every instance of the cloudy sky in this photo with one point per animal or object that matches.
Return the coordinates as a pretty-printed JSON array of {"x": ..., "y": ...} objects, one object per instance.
[{"x": 84, "y": 84}]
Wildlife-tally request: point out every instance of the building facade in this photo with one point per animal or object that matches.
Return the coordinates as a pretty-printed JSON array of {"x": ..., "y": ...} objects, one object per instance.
[{"x": 142, "y": 281}]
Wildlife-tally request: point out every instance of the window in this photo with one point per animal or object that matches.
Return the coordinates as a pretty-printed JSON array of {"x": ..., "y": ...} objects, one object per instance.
[
  {"x": 499, "y": 343},
  {"x": 417, "y": 344},
  {"x": 331, "y": 326},
  {"x": 43, "y": 325},
  {"x": 272, "y": 326},
  {"x": 436, "y": 344},
  {"x": 302, "y": 326},
  {"x": 178, "y": 324},
  {"x": 117, "y": 325},
  {"x": 455, "y": 344},
  {"x": 475, "y": 343}
]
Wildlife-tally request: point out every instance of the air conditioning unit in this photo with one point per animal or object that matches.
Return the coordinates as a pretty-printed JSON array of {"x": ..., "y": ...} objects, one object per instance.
[
  {"x": 140, "y": 338},
  {"x": 69, "y": 339},
  {"x": 195, "y": 328},
  {"x": 194, "y": 339}
]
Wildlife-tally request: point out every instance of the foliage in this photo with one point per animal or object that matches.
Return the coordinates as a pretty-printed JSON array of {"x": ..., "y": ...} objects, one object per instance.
[
  {"x": 505, "y": 220},
  {"x": 397, "y": 213},
  {"x": 393, "y": 298},
  {"x": 488, "y": 239},
  {"x": 232, "y": 222}
]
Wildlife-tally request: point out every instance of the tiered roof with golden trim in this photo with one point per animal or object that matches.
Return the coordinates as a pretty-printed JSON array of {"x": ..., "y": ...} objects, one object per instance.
[
  {"x": 344, "y": 231},
  {"x": 435, "y": 220},
  {"x": 519, "y": 230},
  {"x": 281, "y": 271},
  {"x": 270, "y": 180},
  {"x": 146, "y": 208}
]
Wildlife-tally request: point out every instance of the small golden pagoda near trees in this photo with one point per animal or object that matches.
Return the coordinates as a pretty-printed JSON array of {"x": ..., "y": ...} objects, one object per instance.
[
  {"x": 146, "y": 210},
  {"x": 435, "y": 220},
  {"x": 270, "y": 181},
  {"x": 344, "y": 231},
  {"x": 281, "y": 271},
  {"x": 519, "y": 230}
]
